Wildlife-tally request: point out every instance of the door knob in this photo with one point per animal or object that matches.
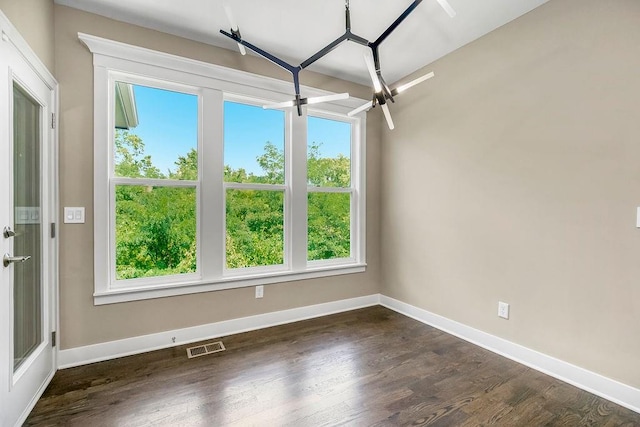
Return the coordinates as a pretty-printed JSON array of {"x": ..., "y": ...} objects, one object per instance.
[{"x": 8, "y": 259}]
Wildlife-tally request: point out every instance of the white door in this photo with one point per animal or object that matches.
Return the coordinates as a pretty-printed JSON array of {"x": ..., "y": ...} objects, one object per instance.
[{"x": 27, "y": 249}]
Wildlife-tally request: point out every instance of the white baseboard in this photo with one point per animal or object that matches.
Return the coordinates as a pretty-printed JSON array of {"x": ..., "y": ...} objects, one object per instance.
[
  {"x": 597, "y": 384},
  {"x": 125, "y": 347}
]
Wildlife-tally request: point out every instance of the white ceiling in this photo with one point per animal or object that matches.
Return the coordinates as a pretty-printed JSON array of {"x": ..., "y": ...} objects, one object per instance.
[{"x": 294, "y": 30}]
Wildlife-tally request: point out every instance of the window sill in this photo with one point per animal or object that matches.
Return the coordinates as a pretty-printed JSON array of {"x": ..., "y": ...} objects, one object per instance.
[{"x": 231, "y": 282}]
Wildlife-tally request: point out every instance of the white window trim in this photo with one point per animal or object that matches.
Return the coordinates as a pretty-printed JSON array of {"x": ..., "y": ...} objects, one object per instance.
[{"x": 212, "y": 83}]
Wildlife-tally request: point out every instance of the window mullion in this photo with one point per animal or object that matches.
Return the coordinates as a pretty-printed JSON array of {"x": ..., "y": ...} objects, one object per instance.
[
  {"x": 154, "y": 182},
  {"x": 211, "y": 165},
  {"x": 312, "y": 189},
  {"x": 297, "y": 167},
  {"x": 258, "y": 187}
]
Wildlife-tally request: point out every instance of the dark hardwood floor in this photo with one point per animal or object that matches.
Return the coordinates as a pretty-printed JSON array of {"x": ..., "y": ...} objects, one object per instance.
[{"x": 365, "y": 367}]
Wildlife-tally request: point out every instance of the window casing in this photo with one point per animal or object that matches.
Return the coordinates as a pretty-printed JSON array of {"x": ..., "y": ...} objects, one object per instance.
[{"x": 214, "y": 87}]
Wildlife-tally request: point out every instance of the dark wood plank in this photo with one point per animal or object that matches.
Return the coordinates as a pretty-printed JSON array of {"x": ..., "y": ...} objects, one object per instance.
[{"x": 365, "y": 367}]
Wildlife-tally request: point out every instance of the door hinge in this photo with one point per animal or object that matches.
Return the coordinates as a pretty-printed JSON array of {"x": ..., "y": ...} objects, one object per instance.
[
  {"x": 53, "y": 120},
  {"x": 53, "y": 230},
  {"x": 53, "y": 339}
]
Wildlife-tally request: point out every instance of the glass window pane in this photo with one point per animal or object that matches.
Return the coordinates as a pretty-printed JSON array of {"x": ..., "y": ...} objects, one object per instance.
[
  {"x": 329, "y": 226},
  {"x": 255, "y": 228},
  {"x": 27, "y": 277},
  {"x": 156, "y": 133},
  {"x": 253, "y": 144},
  {"x": 328, "y": 153},
  {"x": 155, "y": 231}
]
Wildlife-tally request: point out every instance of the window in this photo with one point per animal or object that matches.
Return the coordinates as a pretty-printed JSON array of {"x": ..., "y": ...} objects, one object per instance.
[
  {"x": 330, "y": 190},
  {"x": 198, "y": 188},
  {"x": 254, "y": 185},
  {"x": 155, "y": 181}
]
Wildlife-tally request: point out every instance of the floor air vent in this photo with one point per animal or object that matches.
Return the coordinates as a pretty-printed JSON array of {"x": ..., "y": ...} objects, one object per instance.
[{"x": 201, "y": 350}]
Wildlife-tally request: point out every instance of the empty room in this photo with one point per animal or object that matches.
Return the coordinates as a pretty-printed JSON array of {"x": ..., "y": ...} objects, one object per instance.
[{"x": 320, "y": 213}]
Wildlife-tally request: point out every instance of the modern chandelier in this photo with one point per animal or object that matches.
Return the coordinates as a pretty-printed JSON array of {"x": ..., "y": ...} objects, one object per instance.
[{"x": 381, "y": 91}]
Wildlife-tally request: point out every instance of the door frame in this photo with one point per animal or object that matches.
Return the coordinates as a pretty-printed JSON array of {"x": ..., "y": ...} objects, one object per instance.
[{"x": 9, "y": 34}]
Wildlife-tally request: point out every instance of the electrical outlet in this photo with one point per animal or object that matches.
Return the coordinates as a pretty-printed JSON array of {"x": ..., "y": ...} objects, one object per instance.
[
  {"x": 259, "y": 291},
  {"x": 503, "y": 310}
]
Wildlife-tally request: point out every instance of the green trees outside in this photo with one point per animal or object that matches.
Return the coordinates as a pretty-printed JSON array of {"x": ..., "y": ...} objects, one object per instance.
[
  {"x": 156, "y": 225},
  {"x": 328, "y": 214},
  {"x": 255, "y": 219}
]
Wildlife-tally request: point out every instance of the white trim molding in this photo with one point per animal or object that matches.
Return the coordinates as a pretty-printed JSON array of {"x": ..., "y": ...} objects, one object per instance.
[
  {"x": 110, "y": 350},
  {"x": 617, "y": 392}
]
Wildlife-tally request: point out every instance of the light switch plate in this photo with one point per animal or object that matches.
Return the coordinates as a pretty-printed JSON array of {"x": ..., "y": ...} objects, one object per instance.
[{"x": 73, "y": 215}]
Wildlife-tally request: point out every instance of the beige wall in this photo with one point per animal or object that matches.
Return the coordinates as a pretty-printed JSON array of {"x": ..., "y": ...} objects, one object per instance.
[
  {"x": 82, "y": 323},
  {"x": 514, "y": 175},
  {"x": 34, "y": 20}
]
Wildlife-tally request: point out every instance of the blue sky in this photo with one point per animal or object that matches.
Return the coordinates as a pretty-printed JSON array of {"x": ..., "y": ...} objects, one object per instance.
[
  {"x": 168, "y": 126},
  {"x": 246, "y": 129}
]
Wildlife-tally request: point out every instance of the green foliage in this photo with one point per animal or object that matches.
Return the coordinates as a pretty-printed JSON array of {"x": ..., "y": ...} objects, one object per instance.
[
  {"x": 130, "y": 159},
  {"x": 156, "y": 225},
  {"x": 255, "y": 228},
  {"x": 329, "y": 214},
  {"x": 329, "y": 231},
  {"x": 272, "y": 163},
  {"x": 155, "y": 231},
  {"x": 326, "y": 171}
]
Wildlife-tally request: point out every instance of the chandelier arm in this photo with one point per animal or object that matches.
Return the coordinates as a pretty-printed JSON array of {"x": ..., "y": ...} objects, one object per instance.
[
  {"x": 347, "y": 36},
  {"x": 261, "y": 52},
  {"x": 356, "y": 38},
  {"x": 376, "y": 56},
  {"x": 294, "y": 70},
  {"x": 322, "y": 52},
  {"x": 397, "y": 22},
  {"x": 412, "y": 83},
  {"x": 386, "y": 91}
]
